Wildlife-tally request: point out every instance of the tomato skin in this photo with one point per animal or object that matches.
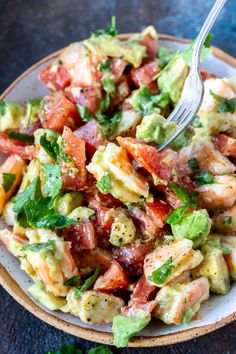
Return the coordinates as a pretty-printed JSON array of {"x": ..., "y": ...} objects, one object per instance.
[
  {"x": 143, "y": 75},
  {"x": 157, "y": 211},
  {"x": 158, "y": 164},
  {"x": 225, "y": 144},
  {"x": 117, "y": 67},
  {"x": 89, "y": 97},
  {"x": 55, "y": 76},
  {"x": 114, "y": 279},
  {"x": 92, "y": 258},
  {"x": 145, "y": 223},
  {"x": 151, "y": 46},
  {"x": 205, "y": 75},
  {"x": 81, "y": 235},
  {"x": 58, "y": 111},
  {"x": 132, "y": 254},
  {"x": 10, "y": 146},
  {"x": 91, "y": 134}
]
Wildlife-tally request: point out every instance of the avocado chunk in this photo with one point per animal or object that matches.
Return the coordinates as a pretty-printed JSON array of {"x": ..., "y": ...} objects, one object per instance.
[
  {"x": 155, "y": 129},
  {"x": 215, "y": 269},
  {"x": 195, "y": 226},
  {"x": 123, "y": 230},
  {"x": 11, "y": 116},
  {"x": 32, "y": 111},
  {"x": 81, "y": 213},
  {"x": 48, "y": 300},
  {"x": 65, "y": 203},
  {"x": 171, "y": 79},
  {"x": 125, "y": 327}
]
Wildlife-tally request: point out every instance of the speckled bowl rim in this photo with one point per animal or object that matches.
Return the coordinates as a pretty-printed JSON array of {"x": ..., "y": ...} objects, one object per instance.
[{"x": 21, "y": 297}]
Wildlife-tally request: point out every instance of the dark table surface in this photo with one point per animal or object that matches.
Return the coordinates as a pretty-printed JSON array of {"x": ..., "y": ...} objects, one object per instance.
[{"x": 30, "y": 30}]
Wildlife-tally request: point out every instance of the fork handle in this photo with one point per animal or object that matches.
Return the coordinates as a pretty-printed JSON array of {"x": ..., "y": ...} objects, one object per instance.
[{"x": 209, "y": 22}]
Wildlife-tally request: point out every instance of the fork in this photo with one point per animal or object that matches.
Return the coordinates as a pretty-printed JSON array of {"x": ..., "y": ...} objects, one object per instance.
[{"x": 193, "y": 90}]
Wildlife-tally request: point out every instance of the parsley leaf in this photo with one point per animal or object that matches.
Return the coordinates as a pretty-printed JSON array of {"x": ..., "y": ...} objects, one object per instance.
[
  {"x": 33, "y": 192},
  {"x": 109, "y": 127},
  {"x": 104, "y": 184},
  {"x": 147, "y": 103},
  {"x": 52, "y": 181},
  {"x": 102, "y": 349},
  {"x": 204, "y": 177},
  {"x": 193, "y": 164},
  {"x": 108, "y": 84},
  {"x": 225, "y": 105},
  {"x": 206, "y": 50},
  {"x": 111, "y": 31},
  {"x": 84, "y": 113},
  {"x": 8, "y": 180},
  {"x": 183, "y": 194},
  {"x": 176, "y": 216},
  {"x": 105, "y": 66},
  {"x": 160, "y": 275},
  {"x": 29, "y": 139},
  {"x": 228, "y": 220},
  {"x": 36, "y": 247},
  {"x": 67, "y": 349},
  {"x": 3, "y": 105},
  {"x": 105, "y": 103},
  {"x": 87, "y": 284},
  {"x": 73, "y": 281},
  {"x": 54, "y": 147}
]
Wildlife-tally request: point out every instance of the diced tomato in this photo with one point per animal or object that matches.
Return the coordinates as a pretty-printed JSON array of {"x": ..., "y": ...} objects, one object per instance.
[
  {"x": 58, "y": 111},
  {"x": 88, "y": 97},
  {"x": 106, "y": 200},
  {"x": 172, "y": 198},
  {"x": 132, "y": 254},
  {"x": 225, "y": 144},
  {"x": 75, "y": 149},
  {"x": 186, "y": 182},
  {"x": 114, "y": 279},
  {"x": 143, "y": 75},
  {"x": 122, "y": 91},
  {"x": 93, "y": 258},
  {"x": 91, "y": 134},
  {"x": 150, "y": 44},
  {"x": 206, "y": 75},
  {"x": 145, "y": 223},
  {"x": 159, "y": 164},
  {"x": 10, "y": 146},
  {"x": 81, "y": 235},
  {"x": 157, "y": 211},
  {"x": 117, "y": 67},
  {"x": 55, "y": 76}
]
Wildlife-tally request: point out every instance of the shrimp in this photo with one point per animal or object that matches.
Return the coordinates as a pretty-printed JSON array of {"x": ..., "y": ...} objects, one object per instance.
[
  {"x": 208, "y": 158},
  {"x": 225, "y": 144},
  {"x": 224, "y": 221},
  {"x": 230, "y": 258},
  {"x": 179, "y": 303},
  {"x": 178, "y": 254},
  {"x": 12, "y": 242},
  {"x": 213, "y": 120},
  {"x": 220, "y": 194},
  {"x": 14, "y": 165}
]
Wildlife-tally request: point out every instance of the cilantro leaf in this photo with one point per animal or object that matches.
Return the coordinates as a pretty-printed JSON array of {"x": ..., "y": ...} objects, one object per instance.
[
  {"x": 206, "y": 50},
  {"x": 67, "y": 349},
  {"x": 73, "y": 281},
  {"x": 204, "y": 177},
  {"x": 3, "y": 105},
  {"x": 33, "y": 192},
  {"x": 84, "y": 113},
  {"x": 105, "y": 66},
  {"x": 8, "y": 180},
  {"x": 176, "y": 216},
  {"x": 183, "y": 194},
  {"x": 147, "y": 103},
  {"x": 102, "y": 349},
  {"x": 109, "y": 126},
  {"x": 52, "y": 182},
  {"x": 36, "y": 247},
  {"x": 193, "y": 164},
  {"x": 111, "y": 31},
  {"x": 105, "y": 103},
  {"x": 104, "y": 184},
  {"x": 87, "y": 284},
  {"x": 228, "y": 220},
  {"x": 108, "y": 84},
  {"x": 54, "y": 147},
  {"x": 160, "y": 275},
  {"x": 225, "y": 104},
  {"x": 29, "y": 139}
]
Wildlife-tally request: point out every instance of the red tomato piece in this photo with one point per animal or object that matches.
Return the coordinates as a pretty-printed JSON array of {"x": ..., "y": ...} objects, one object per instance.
[
  {"x": 157, "y": 211},
  {"x": 10, "y": 146},
  {"x": 93, "y": 258},
  {"x": 132, "y": 254},
  {"x": 158, "y": 164},
  {"x": 89, "y": 97},
  {"x": 58, "y": 111},
  {"x": 114, "y": 279},
  {"x": 81, "y": 235},
  {"x": 55, "y": 76},
  {"x": 143, "y": 75},
  {"x": 150, "y": 44},
  {"x": 206, "y": 75},
  {"x": 117, "y": 67},
  {"x": 91, "y": 134},
  {"x": 225, "y": 144},
  {"x": 146, "y": 224}
]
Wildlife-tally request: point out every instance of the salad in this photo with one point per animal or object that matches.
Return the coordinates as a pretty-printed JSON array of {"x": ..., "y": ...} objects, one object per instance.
[{"x": 109, "y": 229}]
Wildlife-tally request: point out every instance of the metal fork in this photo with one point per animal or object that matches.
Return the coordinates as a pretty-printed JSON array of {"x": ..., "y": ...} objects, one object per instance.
[{"x": 193, "y": 90}]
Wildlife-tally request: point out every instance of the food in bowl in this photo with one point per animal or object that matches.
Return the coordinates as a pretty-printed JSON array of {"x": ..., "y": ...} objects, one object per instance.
[{"x": 109, "y": 229}]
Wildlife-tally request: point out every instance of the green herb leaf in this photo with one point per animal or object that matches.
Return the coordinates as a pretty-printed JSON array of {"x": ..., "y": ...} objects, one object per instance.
[
  {"x": 3, "y": 105},
  {"x": 104, "y": 185},
  {"x": 148, "y": 103},
  {"x": 67, "y": 349},
  {"x": 84, "y": 113},
  {"x": 164, "y": 56},
  {"x": 105, "y": 103},
  {"x": 204, "y": 177},
  {"x": 108, "y": 84},
  {"x": 54, "y": 147},
  {"x": 206, "y": 50},
  {"x": 225, "y": 105},
  {"x": 228, "y": 220},
  {"x": 102, "y": 349},
  {"x": 8, "y": 180},
  {"x": 183, "y": 194},
  {"x": 160, "y": 275},
  {"x": 73, "y": 281},
  {"x": 52, "y": 182},
  {"x": 87, "y": 284},
  {"x": 193, "y": 164},
  {"x": 29, "y": 139},
  {"x": 33, "y": 192},
  {"x": 111, "y": 31},
  {"x": 176, "y": 216},
  {"x": 36, "y": 247},
  {"x": 109, "y": 126},
  {"x": 105, "y": 66}
]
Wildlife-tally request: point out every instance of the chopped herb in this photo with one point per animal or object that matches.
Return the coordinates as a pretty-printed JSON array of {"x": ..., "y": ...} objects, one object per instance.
[
  {"x": 225, "y": 104},
  {"x": 104, "y": 184},
  {"x": 109, "y": 125},
  {"x": 176, "y": 216},
  {"x": 32, "y": 192},
  {"x": 67, "y": 349},
  {"x": 105, "y": 103},
  {"x": 193, "y": 164},
  {"x": 206, "y": 50},
  {"x": 54, "y": 147},
  {"x": 228, "y": 220},
  {"x": 105, "y": 66},
  {"x": 161, "y": 274},
  {"x": 108, "y": 84},
  {"x": 52, "y": 181},
  {"x": 36, "y": 247},
  {"x": 84, "y": 113},
  {"x": 164, "y": 56},
  {"x": 73, "y": 281},
  {"x": 87, "y": 284},
  {"x": 183, "y": 194},
  {"x": 204, "y": 177},
  {"x": 196, "y": 123},
  {"x": 8, "y": 180},
  {"x": 3, "y": 105},
  {"x": 33, "y": 108},
  {"x": 29, "y": 139},
  {"x": 102, "y": 349},
  {"x": 111, "y": 31},
  {"x": 147, "y": 103}
]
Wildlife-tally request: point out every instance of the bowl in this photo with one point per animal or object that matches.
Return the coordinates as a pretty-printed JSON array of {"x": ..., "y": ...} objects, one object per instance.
[{"x": 217, "y": 312}]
